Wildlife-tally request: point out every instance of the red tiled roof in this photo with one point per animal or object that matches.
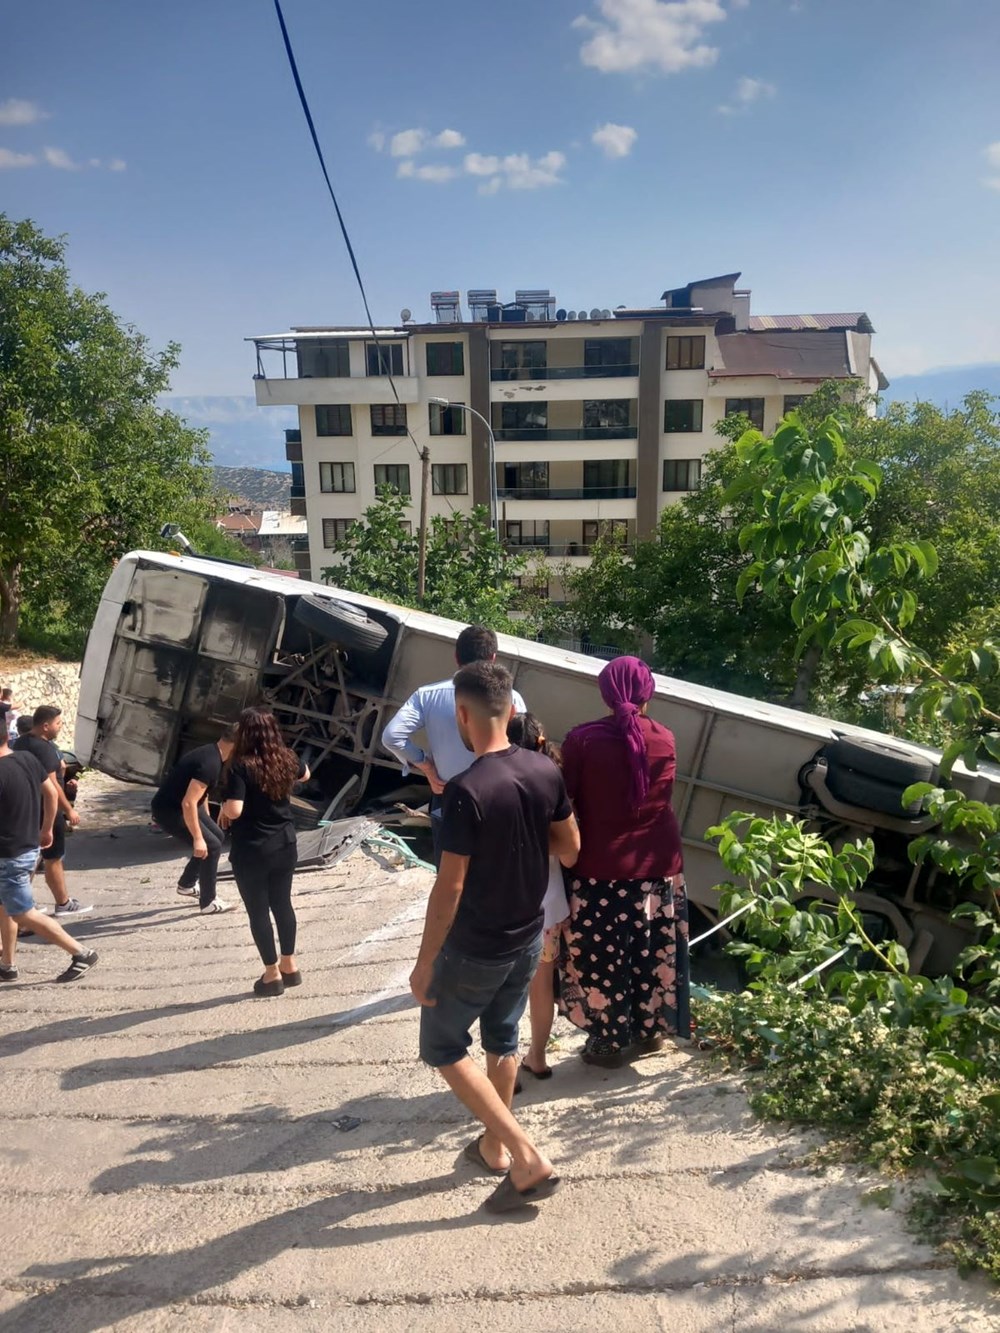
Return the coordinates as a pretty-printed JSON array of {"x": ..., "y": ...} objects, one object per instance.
[{"x": 855, "y": 319}]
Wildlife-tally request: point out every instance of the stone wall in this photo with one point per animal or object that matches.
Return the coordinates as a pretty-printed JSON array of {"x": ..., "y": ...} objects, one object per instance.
[{"x": 47, "y": 683}]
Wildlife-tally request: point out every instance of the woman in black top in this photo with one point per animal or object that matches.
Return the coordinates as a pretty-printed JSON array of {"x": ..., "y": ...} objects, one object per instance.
[{"x": 262, "y": 773}]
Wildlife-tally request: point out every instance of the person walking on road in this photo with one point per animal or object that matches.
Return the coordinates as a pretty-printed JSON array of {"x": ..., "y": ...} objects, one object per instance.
[
  {"x": 46, "y": 723},
  {"x": 28, "y": 807},
  {"x": 261, "y": 774},
  {"x": 180, "y": 808},
  {"x": 482, "y": 934},
  {"x": 625, "y": 963},
  {"x": 431, "y": 709}
]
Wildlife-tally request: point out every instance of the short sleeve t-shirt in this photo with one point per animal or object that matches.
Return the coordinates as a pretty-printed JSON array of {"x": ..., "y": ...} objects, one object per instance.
[
  {"x": 265, "y": 824},
  {"x": 201, "y": 765},
  {"x": 44, "y": 751},
  {"x": 21, "y": 778},
  {"x": 498, "y": 813}
]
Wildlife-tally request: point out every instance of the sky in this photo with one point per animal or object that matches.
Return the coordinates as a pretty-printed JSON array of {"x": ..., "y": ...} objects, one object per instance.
[{"x": 842, "y": 154}]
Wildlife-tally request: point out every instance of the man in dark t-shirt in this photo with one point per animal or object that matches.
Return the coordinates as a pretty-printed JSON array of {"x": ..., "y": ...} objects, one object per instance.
[
  {"x": 46, "y": 724},
  {"x": 27, "y": 811},
  {"x": 180, "y": 807},
  {"x": 483, "y": 930}
]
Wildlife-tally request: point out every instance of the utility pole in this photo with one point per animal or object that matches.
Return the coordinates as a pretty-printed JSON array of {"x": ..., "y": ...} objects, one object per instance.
[{"x": 425, "y": 495}]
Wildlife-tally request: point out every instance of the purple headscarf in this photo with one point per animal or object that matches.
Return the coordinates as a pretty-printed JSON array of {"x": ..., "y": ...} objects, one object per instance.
[{"x": 625, "y": 684}]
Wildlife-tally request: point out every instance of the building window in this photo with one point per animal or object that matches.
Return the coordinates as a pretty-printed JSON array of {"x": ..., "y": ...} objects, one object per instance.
[
  {"x": 298, "y": 491},
  {"x": 449, "y": 479},
  {"x": 324, "y": 360},
  {"x": 447, "y": 420},
  {"x": 396, "y": 475},
  {"x": 793, "y": 401},
  {"x": 606, "y": 413},
  {"x": 525, "y": 476},
  {"x": 603, "y": 529},
  {"x": 388, "y": 418},
  {"x": 606, "y": 475},
  {"x": 532, "y": 585},
  {"x": 406, "y": 526},
  {"x": 750, "y": 407},
  {"x": 522, "y": 360},
  {"x": 682, "y": 414},
  {"x": 335, "y": 530},
  {"x": 528, "y": 532},
  {"x": 686, "y": 353},
  {"x": 601, "y": 354},
  {"x": 334, "y": 419},
  {"x": 384, "y": 358},
  {"x": 336, "y": 478},
  {"x": 522, "y": 416},
  {"x": 445, "y": 359},
  {"x": 681, "y": 474}
]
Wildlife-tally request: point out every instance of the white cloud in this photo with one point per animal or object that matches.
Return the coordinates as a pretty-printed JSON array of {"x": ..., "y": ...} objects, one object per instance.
[
  {"x": 376, "y": 140},
  {"x": 614, "y": 140},
  {"x": 407, "y": 143},
  {"x": 9, "y": 159},
  {"x": 117, "y": 164},
  {"x": 449, "y": 139},
  {"x": 437, "y": 175},
  {"x": 60, "y": 159},
  {"x": 480, "y": 164},
  {"x": 16, "y": 111},
  {"x": 746, "y": 93},
  {"x": 633, "y": 34},
  {"x": 992, "y": 155}
]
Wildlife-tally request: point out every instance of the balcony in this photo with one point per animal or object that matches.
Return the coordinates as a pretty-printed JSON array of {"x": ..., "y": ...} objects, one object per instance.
[
  {"x": 529, "y": 434},
  {"x": 509, "y": 373},
  {"x": 562, "y": 550},
  {"x": 566, "y": 493},
  {"x": 305, "y": 391}
]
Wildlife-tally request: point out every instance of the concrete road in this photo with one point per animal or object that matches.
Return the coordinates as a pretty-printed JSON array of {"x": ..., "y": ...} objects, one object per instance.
[{"x": 171, "y": 1155}]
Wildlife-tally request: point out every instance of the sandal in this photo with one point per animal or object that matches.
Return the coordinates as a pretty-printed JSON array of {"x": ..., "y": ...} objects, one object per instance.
[
  {"x": 604, "y": 1054},
  {"x": 506, "y": 1197},
  {"x": 540, "y": 1074},
  {"x": 473, "y": 1152}
]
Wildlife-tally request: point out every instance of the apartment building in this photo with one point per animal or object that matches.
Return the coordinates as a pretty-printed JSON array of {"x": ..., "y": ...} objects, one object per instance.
[{"x": 599, "y": 419}]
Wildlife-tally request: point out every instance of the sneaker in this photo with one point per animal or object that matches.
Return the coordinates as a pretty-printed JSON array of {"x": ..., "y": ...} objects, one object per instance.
[
  {"x": 216, "y": 905},
  {"x": 8, "y": 973},
  {"x": 188, "y": 890},
  {"x": 71, "y": 907},
  {"x": 80, "y": 966}
]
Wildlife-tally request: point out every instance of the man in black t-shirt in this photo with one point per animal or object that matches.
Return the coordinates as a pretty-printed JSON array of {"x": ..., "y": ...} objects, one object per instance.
[
  {"x": 180, "y": 807},
  {"x": 27, "y": 811},
  {"x": 483, "y": 930},
  {"x": 46, "y": 724}
]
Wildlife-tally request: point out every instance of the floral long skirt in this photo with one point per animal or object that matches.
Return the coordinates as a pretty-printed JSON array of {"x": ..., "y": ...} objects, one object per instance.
[{"x": 624, "y": 966}]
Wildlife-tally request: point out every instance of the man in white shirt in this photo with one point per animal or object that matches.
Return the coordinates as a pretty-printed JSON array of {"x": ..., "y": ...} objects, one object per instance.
[{"x": 431, "y": 709}]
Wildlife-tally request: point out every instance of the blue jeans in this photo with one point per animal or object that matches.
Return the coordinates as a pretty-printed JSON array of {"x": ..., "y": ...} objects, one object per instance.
[
  {"x": 467, "y": 989},
  {"x": 15, "y": 882}
]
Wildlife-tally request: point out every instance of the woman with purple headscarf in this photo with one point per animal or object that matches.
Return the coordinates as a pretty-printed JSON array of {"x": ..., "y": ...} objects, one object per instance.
[{"x": 625, "y": 966}]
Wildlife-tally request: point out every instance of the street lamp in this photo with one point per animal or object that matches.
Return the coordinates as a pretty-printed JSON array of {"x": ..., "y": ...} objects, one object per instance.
[{"x": 446, "y": 402}]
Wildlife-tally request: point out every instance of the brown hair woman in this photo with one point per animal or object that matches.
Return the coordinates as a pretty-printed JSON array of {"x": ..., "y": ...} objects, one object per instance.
[{"x": 262, "y": 773}]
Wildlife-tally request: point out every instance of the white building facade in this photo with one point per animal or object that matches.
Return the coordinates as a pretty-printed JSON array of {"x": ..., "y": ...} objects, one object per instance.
[{"x": 600, "y": 420}]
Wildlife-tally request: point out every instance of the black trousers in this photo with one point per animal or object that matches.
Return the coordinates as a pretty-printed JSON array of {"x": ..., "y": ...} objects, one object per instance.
[
  {"x": 264, "y": 880},
  {"x": 200, "y": 871}
]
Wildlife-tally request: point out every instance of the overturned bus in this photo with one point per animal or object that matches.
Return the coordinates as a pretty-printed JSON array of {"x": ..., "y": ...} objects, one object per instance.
[{"x": 179, "y": 645}]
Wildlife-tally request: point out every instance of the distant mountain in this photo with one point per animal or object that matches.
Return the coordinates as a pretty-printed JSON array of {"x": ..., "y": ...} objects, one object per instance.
[
  {"x": 946, "y": 387},
  {"x": 241, "y": 434},
  {"x": 264, "y": 489}
]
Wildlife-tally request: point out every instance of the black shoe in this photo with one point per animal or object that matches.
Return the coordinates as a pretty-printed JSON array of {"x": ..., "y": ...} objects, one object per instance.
[
  {"x": 605, "y": 1054},
  {"x": 291, "y": 978},
  {"x": 80, "y": 966},
  {"x": 268, "y": 988}
]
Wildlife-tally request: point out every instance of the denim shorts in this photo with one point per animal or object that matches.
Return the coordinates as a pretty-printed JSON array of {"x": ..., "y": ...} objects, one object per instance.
[
  {"x": 15, "y": 882},
  {"x": 467, "y": 989}
]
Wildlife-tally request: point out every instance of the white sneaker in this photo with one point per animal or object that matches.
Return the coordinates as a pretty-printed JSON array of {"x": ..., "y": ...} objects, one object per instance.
[{"x": 216, "y": 905}]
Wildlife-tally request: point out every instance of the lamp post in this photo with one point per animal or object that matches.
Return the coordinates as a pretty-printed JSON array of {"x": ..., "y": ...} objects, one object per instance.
[{"x": 446, "y": 402}]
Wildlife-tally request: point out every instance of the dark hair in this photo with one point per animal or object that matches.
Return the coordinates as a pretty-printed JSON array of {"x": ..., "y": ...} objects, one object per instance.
[
  {"x": 45, "y": 713},
  {"x": 23, "y": 724},
  {"x": 475, "y": 644},
  {"x": 487, "y": 685},
  {"x": 261, "y": 752},
  {"x": 3, "y": 729},
  {"x": 526, "y": 731},
  {"x": 7, "y": 692}
]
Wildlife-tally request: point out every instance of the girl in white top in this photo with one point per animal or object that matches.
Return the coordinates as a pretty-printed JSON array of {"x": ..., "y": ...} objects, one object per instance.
[{"x": 525, "y": 731}]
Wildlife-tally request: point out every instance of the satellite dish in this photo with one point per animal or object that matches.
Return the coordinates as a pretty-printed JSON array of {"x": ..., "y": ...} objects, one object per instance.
[
  {"x": 405, "y": 315},
  {"x": 605, "y": 314},
  {"x": 529, "y": 316},
  {"x": 560, "y": 315},
  {"x": 595, "y": 313},
  {"x": 571, "y": 314}
]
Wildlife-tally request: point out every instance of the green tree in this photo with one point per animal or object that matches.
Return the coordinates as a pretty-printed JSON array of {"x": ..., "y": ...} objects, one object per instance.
[
  {"x": 89, "y": 465},
  {"x": 469, "y": 575}
]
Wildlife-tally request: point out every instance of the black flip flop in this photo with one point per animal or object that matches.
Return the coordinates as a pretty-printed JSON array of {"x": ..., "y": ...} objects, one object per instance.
[
  {"x": 472, "y": 1152},
  {"x": 545, "y": 1073},
  {"x": 506, "y": 1197}
]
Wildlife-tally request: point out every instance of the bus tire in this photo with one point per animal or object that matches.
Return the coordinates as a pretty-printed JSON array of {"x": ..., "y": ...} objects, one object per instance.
[
  {"x": 341, "y": 623},
  {"x": 868, "y": 793},
  {"x": 875, "y": 760}
]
